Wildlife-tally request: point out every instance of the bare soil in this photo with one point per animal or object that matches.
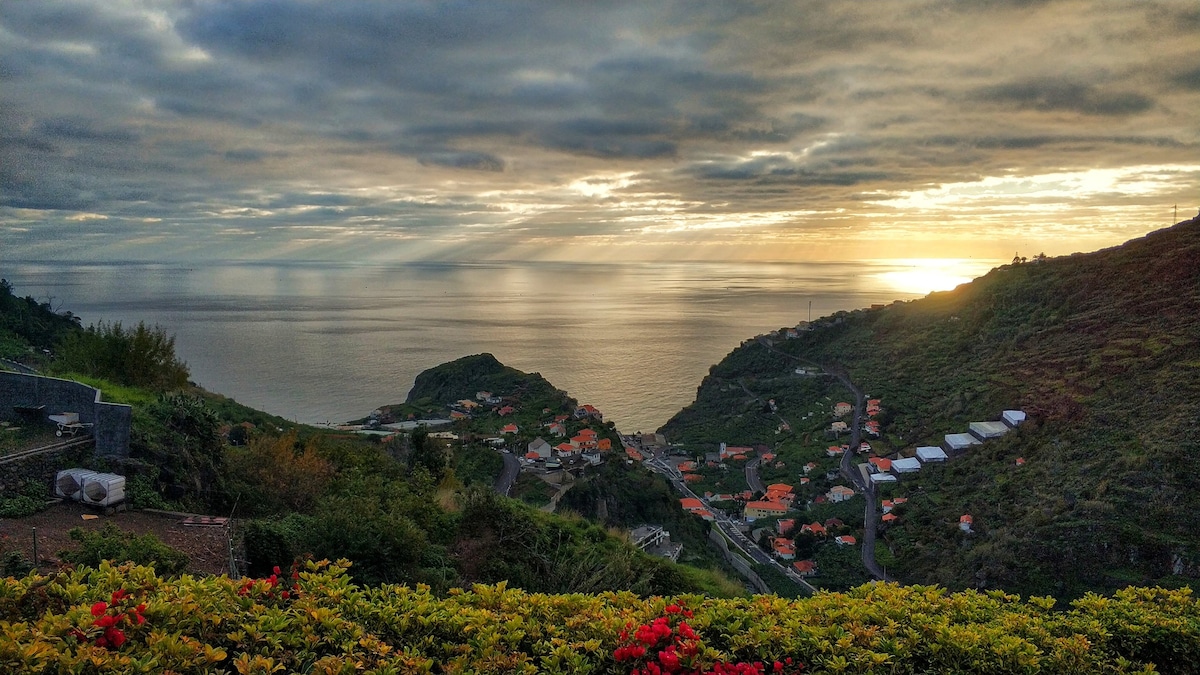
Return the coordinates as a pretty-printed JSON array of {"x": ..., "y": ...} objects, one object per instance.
[{"x": 207, "y": 547}]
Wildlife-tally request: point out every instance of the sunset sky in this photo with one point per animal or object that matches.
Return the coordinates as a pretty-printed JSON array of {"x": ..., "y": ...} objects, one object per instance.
[{"x": 691, "y": 130}]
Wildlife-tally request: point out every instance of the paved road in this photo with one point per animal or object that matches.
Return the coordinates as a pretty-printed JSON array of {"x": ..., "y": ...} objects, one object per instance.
[
  {"x": 752, "y": 480},
  {"x": 512, "y": 467}
]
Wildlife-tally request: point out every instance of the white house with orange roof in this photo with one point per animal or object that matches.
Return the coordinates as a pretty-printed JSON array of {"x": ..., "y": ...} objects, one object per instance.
[
  {"x": 814, "y": 528},
  {"x": 839, "y": 493},
  {"x": 842, "y": 408},
  {"x": 779, "y": 492},
  {"x": 785, "y": 549},
  {"x": 567, "y": 449},
  {"x": 584, "y": 441},
  {"x": 834, "y": 451},
  {"x": 965, "y": 522},
  {"x": 585, "y": 411},
  {"x": 845, "y": 540},
  {"x": 805, "y": 568},
  {"x": 509, "y": 429}
]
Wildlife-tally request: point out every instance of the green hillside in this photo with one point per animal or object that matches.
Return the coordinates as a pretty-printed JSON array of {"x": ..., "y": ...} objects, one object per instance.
[
  {"x": 1102, "y": 350},
  {"x": 463, "y": 378}
]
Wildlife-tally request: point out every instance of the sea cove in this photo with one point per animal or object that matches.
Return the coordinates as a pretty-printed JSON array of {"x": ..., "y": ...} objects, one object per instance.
[{"x": 319, "y": 342}]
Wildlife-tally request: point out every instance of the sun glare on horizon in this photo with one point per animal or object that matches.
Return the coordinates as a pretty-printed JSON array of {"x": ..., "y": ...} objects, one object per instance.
[{"x": 927, "y": 275}]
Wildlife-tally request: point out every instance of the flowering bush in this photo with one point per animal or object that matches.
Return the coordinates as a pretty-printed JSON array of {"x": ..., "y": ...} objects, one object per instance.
[
  {"x": 107, "y": 619},
  {"x": 269, "y": 588},
  {"x": 133, "y": 621},
  {"x": 668, "y": 645}
]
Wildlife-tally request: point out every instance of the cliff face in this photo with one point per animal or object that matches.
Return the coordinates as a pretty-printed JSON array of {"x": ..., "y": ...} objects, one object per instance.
[{"x": 1101, "y": 349}]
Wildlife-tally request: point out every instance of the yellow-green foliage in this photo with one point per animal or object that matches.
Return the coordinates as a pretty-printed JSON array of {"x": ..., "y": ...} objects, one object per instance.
[{"x": 209, "y": 625}]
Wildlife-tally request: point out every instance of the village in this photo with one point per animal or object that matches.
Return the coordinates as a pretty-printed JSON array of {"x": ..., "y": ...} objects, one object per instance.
[
  {"x": 774, "y": 516},
  {"x": 788, "y": 522}
]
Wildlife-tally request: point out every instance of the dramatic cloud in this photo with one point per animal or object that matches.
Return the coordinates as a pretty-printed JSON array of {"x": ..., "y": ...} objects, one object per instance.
[{"x": 395, "y": 129}]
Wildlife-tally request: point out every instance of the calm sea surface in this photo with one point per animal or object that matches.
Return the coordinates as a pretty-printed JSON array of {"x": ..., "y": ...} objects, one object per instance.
[{"x": 318, "y": 342}]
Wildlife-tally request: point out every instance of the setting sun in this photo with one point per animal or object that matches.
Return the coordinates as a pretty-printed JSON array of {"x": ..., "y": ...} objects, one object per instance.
[{"x": 926, "y": 275}]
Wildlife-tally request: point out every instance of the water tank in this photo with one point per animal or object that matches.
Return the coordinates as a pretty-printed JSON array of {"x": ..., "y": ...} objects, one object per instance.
[
  {"x": 103, "y": 489},
  {"x": 69, "y": 482}
]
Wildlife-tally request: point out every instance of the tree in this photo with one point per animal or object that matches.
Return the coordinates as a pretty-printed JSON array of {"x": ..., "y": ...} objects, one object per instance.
[
  {"x": 428, "y": 454},
  {"x": 276, "y": 474},
  {"x": 141, "y": 357}
]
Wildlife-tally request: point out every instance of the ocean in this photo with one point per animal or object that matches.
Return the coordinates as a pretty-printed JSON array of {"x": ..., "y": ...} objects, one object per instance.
[{"x": 324, "y": 342}]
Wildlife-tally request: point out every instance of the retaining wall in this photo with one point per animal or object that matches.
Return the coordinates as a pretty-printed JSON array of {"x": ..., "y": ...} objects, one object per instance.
[{"x": 111, "y": 421}]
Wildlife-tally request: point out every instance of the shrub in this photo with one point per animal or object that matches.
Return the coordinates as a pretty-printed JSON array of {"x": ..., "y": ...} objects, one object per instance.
[
  {"x": 327, "y": 624},
  {"x": 112, "y": 544}
]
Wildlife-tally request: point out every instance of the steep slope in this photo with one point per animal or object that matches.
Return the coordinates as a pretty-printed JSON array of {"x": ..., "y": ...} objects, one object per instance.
[{"x": 1103, "y": 351}]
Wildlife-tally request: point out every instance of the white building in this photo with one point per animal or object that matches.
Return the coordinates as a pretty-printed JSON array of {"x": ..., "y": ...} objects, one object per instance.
[
  {"x": 929, "y": 453},
  {"x": 960, "y": 442},
  {"x": 906, "y": 465},
  {"x": 987, "y": 430},
  {"x": 1013, "y": 417}
]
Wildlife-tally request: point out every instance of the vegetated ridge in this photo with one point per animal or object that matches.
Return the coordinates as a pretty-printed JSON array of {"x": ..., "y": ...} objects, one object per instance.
[
  {"x": 407, "y": 509},
  {"x": 1101, "y": 349}
]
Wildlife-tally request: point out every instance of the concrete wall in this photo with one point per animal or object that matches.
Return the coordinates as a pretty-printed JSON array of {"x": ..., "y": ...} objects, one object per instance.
[
  {"x": 739, "y": 563},
  {"x": 111, "y": 421}
]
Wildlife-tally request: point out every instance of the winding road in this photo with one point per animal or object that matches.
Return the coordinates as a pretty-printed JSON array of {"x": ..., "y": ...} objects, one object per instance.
[
  {"x": 848, "y": 469},
  {"x": 512, "y": 467}
]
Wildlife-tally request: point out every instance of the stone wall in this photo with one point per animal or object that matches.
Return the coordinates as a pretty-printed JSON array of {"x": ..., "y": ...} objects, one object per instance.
[{"x": 111, "y": 421}]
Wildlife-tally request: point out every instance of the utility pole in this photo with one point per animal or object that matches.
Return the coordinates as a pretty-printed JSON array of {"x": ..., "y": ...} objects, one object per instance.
[{"x": 810, "y": 311}]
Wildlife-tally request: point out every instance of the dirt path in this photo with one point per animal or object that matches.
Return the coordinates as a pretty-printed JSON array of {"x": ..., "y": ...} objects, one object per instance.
[{"x": 206, "y": 547}]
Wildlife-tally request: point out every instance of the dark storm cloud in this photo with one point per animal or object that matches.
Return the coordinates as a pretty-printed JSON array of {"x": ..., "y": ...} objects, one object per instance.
[
  {"x": 279, "y": 120},
  {"x": 1057, "y": 94}
]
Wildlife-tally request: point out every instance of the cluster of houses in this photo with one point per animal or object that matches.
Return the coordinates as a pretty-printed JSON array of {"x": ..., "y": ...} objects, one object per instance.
[
  {"x": 784, "y": 546},
  {"x": 842, "y": 408},
  {"x": 586, "y": 444}
]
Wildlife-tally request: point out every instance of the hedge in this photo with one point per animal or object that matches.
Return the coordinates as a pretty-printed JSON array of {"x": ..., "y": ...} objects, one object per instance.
[{"x": 315, "y": 620}]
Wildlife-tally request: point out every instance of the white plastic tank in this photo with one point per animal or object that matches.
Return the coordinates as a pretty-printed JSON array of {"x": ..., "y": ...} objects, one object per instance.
[
  {"x": 103, "y": 489},
  {"x": 69, "y": 482}
]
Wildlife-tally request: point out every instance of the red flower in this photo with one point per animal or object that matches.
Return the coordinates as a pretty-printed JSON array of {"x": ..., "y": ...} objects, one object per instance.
[
  {"x": 275, "y": 569},
  {"x": 99, "y": 608},
  {"x": 114, "y": 636},
  {"x": 119, "y": 595},
  {"x": 669, "y": 658},
  {"x": 672, "y": 609},
  {"x": 105, "y": 621}
]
